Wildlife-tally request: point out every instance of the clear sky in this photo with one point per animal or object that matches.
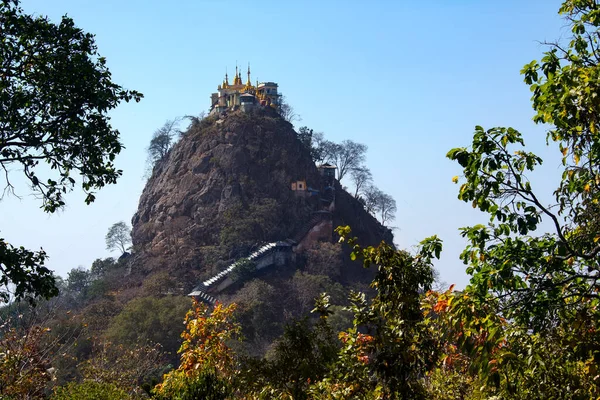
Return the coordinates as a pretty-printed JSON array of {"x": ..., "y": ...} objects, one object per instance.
[{"x": 409, "y": 79}]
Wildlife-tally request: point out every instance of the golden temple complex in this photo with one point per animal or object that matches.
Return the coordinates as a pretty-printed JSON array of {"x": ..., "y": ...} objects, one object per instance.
[{"x": 244, "y": 96}]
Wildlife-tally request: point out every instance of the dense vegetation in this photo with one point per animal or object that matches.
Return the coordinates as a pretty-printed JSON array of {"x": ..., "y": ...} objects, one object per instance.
[{"x": 526, "y": 326}]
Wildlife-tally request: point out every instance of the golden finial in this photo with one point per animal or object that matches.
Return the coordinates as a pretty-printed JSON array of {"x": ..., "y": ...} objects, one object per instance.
[
  {"x": 226, "y": 81},
  {"x": 237, "y": 80},
  {"x": 248, "y": 86}
]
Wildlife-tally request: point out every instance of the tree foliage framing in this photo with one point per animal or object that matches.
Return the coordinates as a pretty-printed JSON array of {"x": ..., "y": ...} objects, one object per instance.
[
  {"x": 529, "y": 321},
  {"x": 540, "y": 275},
  {"x": 55, "y": 93}
]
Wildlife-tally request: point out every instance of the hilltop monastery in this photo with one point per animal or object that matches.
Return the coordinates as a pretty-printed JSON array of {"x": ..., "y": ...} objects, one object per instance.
[{"x": 238, "y": 95}]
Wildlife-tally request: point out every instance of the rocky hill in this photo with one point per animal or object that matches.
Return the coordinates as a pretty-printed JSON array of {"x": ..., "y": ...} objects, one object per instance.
[{"x": 226, "y": 188}]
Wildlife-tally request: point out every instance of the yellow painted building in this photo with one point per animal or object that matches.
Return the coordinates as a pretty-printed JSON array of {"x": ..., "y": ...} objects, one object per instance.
[{"x": 244, "y": 96}]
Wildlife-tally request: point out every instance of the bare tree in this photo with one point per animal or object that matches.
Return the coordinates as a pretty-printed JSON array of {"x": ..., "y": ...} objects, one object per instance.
[
  {"x": 118, "y": 237},
  {"x": 371, "y": 197},
  {"x": 386, "y": 208},
  {"x": 318, "y": 150},
  {"x": 379, "y": 204},
  {"x": 162, "y": 141},
  {"x": 346, "y": 156},
  {"x": 287, "y": 111},
  {"x": 362, "y": 178},
  {"x": 439, "y": 285}
]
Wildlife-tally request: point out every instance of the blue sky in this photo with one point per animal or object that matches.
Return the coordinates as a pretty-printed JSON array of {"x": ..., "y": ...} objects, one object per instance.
[{"x": 409, "y": 79}]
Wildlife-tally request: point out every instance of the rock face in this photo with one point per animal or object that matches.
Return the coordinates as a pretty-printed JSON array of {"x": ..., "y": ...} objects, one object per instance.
[{"x": 225, "y": 188}]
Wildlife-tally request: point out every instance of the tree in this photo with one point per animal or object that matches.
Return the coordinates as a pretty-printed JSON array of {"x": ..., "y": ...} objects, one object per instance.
[
  {"x": 324, "y": 258},
  {"x": 162, "y": 141},
  {"x": 33, "y": 341},
  {"x": 287, "y": 112},
  {"x": 207, "y": 364},
  {"x": 534, "y": 275},
  {"x": 371, "y": 194},
  {"x": 362, "y": 178},
  {"x": 303, "y": 354},
  {"x": 388, "y": 350},
  {"x": 305, "y": 136},
  {"x": 259, "y": 309},
  {"x": 312, "y": 141},
  {"x": 482, "y": 354},
  {"x": 346, "y": 156},
  {"x": 78, "y": 280},
  {"x": 55, "y": 93},
  {"x": 160, "y": 283},
  {"x": 546, "y": 284},
  {"x": 318, "y": 150},
  {"x": 24, "y": 361},
  {"x": 305, "y": 288},
  {"x": 195, "y": 121},
  {"x": 387, "y": 208},
  {"x": 379, "y": 203},
  {"x": 149, "y": 320},
  {"x": 128, "y": 368},
  {"x": 25, "y": 271},
  {"x": 245, "y": 270},
  {"x": 100, "y": 267},
  {"x": 118, "y": 237}
]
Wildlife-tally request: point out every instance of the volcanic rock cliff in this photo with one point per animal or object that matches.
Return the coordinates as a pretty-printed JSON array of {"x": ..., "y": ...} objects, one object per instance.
[{"x": 225, "y": 188}]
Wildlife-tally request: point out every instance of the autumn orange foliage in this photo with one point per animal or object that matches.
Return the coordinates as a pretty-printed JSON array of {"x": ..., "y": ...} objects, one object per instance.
[{"x": 204, "y": 347}]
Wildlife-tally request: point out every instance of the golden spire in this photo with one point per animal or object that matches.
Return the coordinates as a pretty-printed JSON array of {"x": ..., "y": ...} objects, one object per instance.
[
  {"x": 237, "y": 80},
  {"x": 226, "y": 81},
  {"x": 248, "y": 87}
]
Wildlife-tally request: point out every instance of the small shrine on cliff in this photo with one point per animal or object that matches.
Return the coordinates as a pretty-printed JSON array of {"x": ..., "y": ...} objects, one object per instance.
[{"x": 244, "y": 96}]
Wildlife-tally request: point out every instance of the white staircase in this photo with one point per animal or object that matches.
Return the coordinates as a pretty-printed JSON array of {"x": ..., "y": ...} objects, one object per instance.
[{"x": 200, "y": 290}]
